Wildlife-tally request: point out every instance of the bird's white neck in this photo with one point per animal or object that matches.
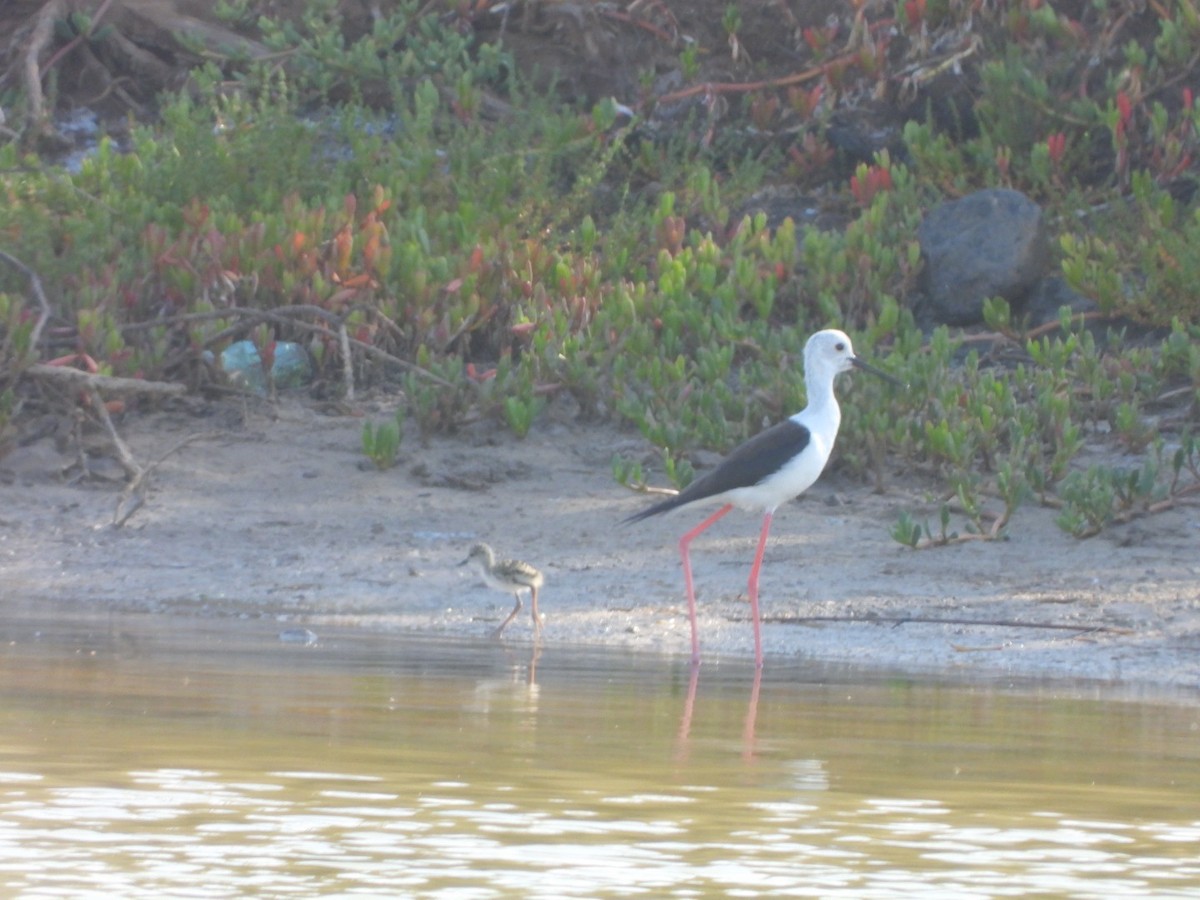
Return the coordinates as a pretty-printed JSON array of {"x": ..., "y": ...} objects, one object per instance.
[{"x": 822, "y": 412}]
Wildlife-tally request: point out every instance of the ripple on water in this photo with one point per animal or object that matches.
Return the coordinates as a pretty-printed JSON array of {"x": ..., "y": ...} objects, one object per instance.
[{"x": 378, "y": 773}]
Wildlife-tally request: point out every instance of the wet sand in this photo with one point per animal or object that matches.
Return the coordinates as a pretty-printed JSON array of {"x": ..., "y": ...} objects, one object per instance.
[{"x": 271, "y": 515}]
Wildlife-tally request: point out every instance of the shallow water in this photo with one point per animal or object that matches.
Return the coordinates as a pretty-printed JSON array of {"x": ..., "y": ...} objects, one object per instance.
[{"x": 166, "y": 757}]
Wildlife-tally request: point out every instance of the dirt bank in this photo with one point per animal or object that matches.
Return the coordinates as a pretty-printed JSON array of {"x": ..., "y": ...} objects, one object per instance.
[{"x": 272, "y": 515}]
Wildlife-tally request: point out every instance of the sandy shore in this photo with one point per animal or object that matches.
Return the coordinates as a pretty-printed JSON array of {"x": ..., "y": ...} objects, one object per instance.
[{"x": 272, "y": 515}]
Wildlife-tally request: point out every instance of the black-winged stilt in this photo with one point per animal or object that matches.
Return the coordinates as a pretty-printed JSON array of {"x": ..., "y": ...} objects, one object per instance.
[
  {"x": 772, "y": 467},
  {"x": 511, "y": 576}
]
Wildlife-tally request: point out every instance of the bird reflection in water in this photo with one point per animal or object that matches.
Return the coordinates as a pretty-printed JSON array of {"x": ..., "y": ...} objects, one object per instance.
[{"x": 749, "y": 723}]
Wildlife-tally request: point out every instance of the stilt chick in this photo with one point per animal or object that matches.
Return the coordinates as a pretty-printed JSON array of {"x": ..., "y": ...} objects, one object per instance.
[{"x": 511, "y": 576}]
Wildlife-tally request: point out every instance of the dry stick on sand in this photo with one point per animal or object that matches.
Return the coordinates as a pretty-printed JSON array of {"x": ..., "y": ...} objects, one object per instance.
[
  {"x": 107, "y": 384},
  {"x": 135, "y": 473},
  {"x": 134, "y": 496},
  {"x": 91, "y": 382},
  {"x": 124, "y": 454},
  {"x": 933, "y": 620}
]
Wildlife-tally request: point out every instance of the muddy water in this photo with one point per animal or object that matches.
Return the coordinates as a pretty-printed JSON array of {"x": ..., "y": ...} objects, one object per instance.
[{"x": 158, "y": 757}]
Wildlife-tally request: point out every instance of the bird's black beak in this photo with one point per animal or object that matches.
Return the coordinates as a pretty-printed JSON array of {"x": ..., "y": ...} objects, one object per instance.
[
  {"x": 464, "y": 562},
  {"x": 859, "y": 364}
]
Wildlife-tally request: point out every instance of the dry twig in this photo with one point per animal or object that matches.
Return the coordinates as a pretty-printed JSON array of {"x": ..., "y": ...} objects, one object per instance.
[
  {"x": 39, "y": 40},
  {"x": 933, "y": 620},
  {"x": 110, "y": 384},
  {"x": 347, "y": 360},
  {"x": 134, "y": 495},
  {"x": 124, "y": 454},
  {"x": 35, "y": 283}
]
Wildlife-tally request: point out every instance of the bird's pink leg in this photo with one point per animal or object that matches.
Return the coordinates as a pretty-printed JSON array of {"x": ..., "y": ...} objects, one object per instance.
[
  {"x": 687, "y": 575},
  {"x": 537, "y": 619},
  {"x": 753, "y": 588},
  {"x": 512, "y": 615}
]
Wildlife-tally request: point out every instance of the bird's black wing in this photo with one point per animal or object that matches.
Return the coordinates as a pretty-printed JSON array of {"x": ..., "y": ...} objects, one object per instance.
[{"x": 761, "y": 456}]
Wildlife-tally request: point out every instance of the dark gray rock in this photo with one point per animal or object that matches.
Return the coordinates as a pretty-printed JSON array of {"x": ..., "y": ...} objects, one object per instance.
[{"x": 988, "y": 244}]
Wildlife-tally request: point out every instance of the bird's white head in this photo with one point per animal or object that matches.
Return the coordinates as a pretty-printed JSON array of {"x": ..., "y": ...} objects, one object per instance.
[
  {"x": 482, "y": 554},
  {"x": 827, "y": 353},
  {"x": 830, "y": 352}
]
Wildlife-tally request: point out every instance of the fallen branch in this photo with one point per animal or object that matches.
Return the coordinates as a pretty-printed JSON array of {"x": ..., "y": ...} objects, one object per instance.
[
  {"x": 1019, "y": 338},
  {"x": 31, "y": 71},
  {"x": 215, "y": 41},
  {"x": 347, "y": 361},
  {"x": 1126, "y": 516},
  {"x": 651, "y": 489},
  {"x": 933, "y": 620},
  {"x": 992, "y": 534},
  {"x": 124, "y": 455},
  {"x": 108, "y": 384},
  {"x": 708, "y": 88},
  {"x": 133, "y": 496}
]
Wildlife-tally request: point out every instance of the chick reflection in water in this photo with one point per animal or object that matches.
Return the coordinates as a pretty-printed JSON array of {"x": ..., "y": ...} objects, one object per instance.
[{"x": 511, "y": 576}]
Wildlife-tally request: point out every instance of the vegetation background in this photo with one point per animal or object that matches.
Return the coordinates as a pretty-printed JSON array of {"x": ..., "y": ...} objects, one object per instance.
[{"x": 483, "y": 210}]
